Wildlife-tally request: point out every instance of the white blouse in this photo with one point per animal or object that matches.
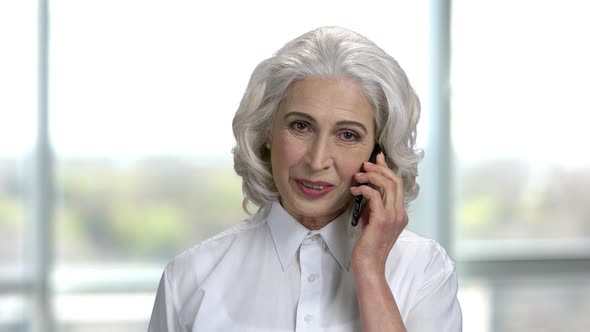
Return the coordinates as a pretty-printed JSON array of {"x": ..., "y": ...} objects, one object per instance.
[{"x": 273, "y": 274}]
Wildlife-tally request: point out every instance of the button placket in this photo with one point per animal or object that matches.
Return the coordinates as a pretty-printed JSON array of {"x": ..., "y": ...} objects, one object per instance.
[
  {"x": 308, "y": 307},
  {"x": 312, "y": 277}
]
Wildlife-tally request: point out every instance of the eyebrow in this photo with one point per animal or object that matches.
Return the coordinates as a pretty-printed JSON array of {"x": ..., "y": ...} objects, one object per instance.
[{"x": 313, "y": 120}]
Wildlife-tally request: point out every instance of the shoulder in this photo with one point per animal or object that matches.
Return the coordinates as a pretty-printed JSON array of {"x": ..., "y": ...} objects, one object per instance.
[
  {"x": 190, "y": 268},
  {"x": 422, "y": 259},
  {"x": 414, "y": 246},
  {"x": 417, "y": 268},
  {"x": 424, "y": 280}
]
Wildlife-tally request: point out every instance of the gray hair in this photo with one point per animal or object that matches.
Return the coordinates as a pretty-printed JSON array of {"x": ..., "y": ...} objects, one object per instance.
[{"x": 326, "y": 53}]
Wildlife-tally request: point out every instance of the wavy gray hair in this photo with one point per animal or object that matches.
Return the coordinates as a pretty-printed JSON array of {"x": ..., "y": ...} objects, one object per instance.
[{"x": 326, "y": 53}]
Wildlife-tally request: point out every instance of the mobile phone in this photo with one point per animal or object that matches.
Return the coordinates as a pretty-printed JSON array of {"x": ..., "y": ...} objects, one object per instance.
[{"x": 356, "y": 213}]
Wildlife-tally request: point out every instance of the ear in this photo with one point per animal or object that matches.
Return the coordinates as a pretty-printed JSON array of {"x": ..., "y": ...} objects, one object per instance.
[{"x": 268, "y": 143}]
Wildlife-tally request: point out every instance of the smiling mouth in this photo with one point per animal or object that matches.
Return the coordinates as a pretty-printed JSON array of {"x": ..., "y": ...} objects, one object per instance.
[{"x": 312, "y": 186}]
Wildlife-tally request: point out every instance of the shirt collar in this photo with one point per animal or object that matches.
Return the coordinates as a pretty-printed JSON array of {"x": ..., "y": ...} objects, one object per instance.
[
  {"x": 288, "y": 234},
  {"x": 339, "y": 240}
]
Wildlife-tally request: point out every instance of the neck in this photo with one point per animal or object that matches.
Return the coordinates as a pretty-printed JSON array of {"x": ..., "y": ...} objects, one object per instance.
[{"x": 311, "y": 222}]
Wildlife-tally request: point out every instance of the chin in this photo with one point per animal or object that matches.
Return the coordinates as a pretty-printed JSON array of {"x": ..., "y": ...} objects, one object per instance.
[
  {"x": 318, "y": 209},
  {"x": 325, "y": 208}
]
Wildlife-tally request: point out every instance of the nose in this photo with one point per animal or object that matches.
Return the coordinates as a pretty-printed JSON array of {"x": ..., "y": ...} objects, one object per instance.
[{"x": 320, "y": 154}]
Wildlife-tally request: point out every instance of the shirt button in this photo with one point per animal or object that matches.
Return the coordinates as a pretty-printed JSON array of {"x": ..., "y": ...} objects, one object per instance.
[
  {"x": 312, "y": 277},
  {"x": 308, "y": 318}
]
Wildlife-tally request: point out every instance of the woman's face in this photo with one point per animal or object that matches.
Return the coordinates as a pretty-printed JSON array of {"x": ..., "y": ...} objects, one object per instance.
[{"x": 322, "y": 133}]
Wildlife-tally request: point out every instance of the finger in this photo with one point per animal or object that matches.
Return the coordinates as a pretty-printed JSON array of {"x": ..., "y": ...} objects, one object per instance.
[
  {"x": 376, "y": 212},
  {"x": 400, "y": 203},
  {"x": 387, "y": 188},
  {"x": 381, "y": 169},
  {"x": 381, "y": 159},
  {"x": 373, "y": 198},
  {"x": 374, "y": 178},
  {"x": 379, "y": 166}
]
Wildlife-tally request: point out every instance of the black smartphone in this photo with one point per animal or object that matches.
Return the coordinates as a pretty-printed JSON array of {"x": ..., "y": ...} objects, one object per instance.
[{"x": 356, "y": 213}]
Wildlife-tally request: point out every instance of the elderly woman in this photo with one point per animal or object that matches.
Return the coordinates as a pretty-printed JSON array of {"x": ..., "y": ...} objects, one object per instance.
[{"x": 309, "y": 121}]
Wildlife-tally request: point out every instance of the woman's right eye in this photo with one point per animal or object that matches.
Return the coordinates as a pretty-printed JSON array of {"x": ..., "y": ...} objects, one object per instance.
[{"x": 299, "y": 126}]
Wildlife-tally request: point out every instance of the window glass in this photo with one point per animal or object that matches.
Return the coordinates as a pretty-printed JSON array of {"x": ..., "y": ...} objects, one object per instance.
[
  {"x": 18, "y": 106},
  {"x": 534, "y": 303},
  {"x": 143, "y": 138},
  {"x": 103, "y": 312},
  {"x": 12, "y": 215},
  {"x": 142, "y": 110},
  {"x": 14, "y": 311},
  {"x": 542, "y": 304},
  {"x": 142, "y": 99},
  {"x": 520, "y": 72},
  {"x": 145, "y": 210}
]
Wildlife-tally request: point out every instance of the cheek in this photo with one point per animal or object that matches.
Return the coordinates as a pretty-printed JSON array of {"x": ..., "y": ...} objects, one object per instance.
[
  {"x": 349, "y": 167},
  {"x": 286, "y": 152}
]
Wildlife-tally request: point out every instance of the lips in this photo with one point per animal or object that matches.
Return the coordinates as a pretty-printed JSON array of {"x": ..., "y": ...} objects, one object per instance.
[{"x": 314, "y": 188}]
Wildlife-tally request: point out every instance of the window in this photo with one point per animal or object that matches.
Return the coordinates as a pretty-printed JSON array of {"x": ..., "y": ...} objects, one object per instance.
[
  {"x": 521, "y": 173},
  {"x": 137, "y": 123},
  {"x": 18, "y": 105},
  {"x": 115, "y": 147}
]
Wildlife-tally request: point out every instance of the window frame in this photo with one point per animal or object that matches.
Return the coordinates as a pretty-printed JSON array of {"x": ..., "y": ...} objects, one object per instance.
[{"x": 491, "y": 260}]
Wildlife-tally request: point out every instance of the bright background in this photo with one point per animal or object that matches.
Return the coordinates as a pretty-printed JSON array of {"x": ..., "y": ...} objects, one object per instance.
[{"x": 120, "y": 157}]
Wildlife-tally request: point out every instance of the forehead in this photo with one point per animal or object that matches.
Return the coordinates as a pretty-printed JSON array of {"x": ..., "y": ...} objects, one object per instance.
[{"x": 342, "y": 98}]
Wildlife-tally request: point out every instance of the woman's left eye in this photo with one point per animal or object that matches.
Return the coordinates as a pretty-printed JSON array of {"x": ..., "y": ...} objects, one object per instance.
[{"x": 349, "y": 136}]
